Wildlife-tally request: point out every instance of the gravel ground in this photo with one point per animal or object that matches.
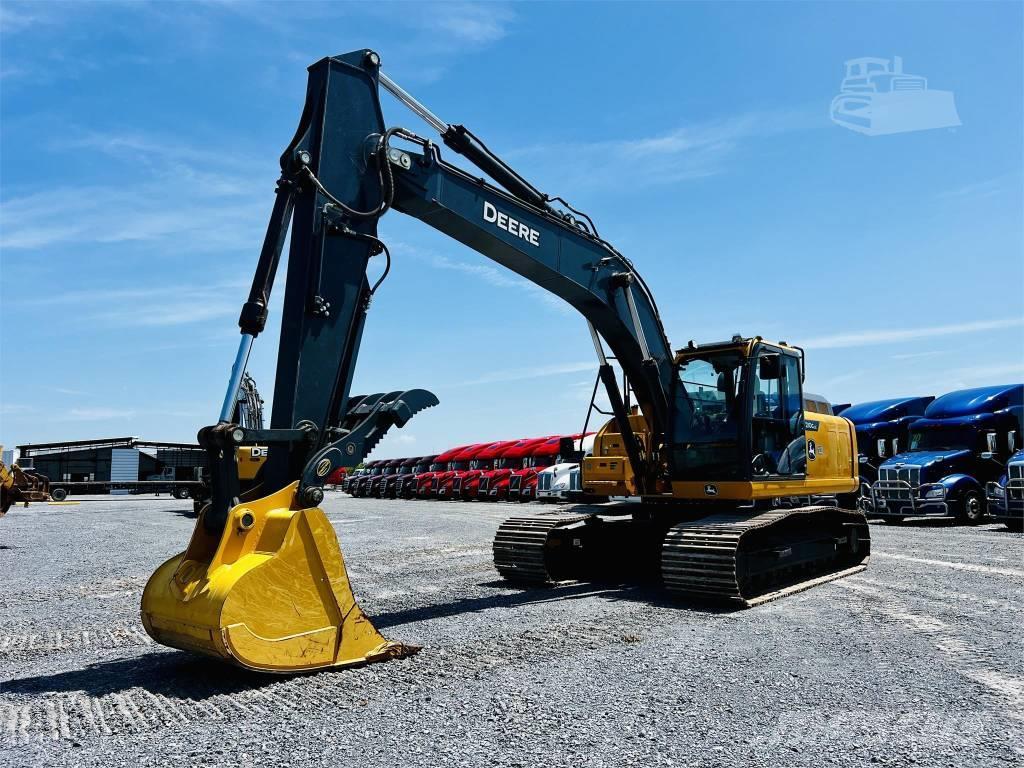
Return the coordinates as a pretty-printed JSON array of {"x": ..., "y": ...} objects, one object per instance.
[{"x": 919, "y": 660}]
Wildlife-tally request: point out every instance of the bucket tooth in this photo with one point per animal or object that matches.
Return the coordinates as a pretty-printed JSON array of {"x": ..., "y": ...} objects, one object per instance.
[{"x": 269, "y": 593}]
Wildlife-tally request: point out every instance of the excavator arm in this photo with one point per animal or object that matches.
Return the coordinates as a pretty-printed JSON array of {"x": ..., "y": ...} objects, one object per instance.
[{"x": 340, "y": 175}]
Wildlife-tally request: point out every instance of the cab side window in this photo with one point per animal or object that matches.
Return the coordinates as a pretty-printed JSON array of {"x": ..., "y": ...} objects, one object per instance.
[{"x": 779, "y": 447}]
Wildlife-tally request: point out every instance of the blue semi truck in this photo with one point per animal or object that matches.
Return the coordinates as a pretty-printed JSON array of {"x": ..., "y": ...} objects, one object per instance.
[
  {"x": 1006, "y": 495},
  {"x": 962, "y": 443},
  {"x": 883, "y": 428}
]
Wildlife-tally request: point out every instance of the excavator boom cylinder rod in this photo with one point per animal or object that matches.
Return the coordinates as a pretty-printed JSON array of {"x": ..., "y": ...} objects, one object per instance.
[
  {"x": 237, "y": 372},
  {"x": 406, "y": 98}
]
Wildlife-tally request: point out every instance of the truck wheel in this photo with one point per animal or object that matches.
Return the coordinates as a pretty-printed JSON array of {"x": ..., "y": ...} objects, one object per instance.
[
  {"x": 58, "y": 494},
  {"x": 180, "y": 493},
  {"x": 971, "y": 509}
]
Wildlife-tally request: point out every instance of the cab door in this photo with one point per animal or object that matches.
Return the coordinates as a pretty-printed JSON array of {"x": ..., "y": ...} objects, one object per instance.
[{"x": 779, "y": 447}]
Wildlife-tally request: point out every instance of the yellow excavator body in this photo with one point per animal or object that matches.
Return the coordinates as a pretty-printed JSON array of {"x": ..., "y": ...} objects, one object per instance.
[{"x": 270, "y": 592}]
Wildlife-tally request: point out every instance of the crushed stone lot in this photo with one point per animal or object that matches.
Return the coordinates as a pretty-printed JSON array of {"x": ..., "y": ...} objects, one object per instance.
[{"x": 917, "y": 661}]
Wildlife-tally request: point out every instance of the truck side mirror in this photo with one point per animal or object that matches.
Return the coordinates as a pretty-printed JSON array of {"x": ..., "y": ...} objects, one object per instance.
[
  {"x": 1011, "y": 440},
  {"x": 768, "y": 367},
  {"x": 895, "y": 446},
  {"x": 881, "y": 447},
  {"x": 991, "y": 442}
]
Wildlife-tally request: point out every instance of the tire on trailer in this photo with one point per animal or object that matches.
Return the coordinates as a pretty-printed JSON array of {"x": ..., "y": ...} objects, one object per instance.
[
  {"x": 58, "y": 494},
  {"x": 180, "y": 493},
  {"x": 970, "y": 509}
]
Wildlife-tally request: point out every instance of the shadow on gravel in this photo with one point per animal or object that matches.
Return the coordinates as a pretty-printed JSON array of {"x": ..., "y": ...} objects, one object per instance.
[
  {"x": 176, "y": 675},
  {"x": 649, "y": 595}
]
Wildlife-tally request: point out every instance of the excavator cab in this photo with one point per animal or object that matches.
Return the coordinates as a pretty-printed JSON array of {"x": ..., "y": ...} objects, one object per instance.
[{"x": 741, "y": 431}]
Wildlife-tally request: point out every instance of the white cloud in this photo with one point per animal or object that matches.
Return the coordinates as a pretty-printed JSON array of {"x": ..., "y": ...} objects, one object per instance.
[
  {"x": 403, "y": 439},
  {"x": 12, "y": 408},
  {"x": 67, "y": 391},
  {"x": 870, "y": 338},
  {"x": 500, "y": 277},
  {"x": 168, "y": 195},
  {"x": 17, "y": 17},
  {"x": 534, "y": 372},
  {"x": 691, "y": 151},
  {"x": 474, "y": 23},
  {"x": 916, "y": 355},
  {"x": 99, "y": 414},
  {"x": 986, "y": 188},
  {"x": 153, "y": 305}
]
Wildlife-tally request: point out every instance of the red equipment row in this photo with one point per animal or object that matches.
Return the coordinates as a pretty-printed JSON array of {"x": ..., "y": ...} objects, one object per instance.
[{"x": 505, "y": 470}]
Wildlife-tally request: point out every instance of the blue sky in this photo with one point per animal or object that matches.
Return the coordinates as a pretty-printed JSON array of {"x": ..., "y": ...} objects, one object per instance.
[{"x": 139, "y": 151}]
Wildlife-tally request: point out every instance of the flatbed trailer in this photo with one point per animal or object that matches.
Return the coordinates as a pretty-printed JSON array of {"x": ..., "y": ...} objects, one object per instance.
[{"x": 179, "y": 489}]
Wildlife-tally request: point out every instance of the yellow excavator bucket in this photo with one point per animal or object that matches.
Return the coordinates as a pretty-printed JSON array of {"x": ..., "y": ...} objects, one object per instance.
[{"x": 270, "y": 593}]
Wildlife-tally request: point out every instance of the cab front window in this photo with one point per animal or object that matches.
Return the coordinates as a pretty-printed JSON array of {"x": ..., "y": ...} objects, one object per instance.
[{"x": 710, "y": 414}]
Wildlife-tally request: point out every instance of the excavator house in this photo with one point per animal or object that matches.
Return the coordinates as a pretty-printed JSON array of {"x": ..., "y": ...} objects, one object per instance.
[{"x": 738, "y": 485}]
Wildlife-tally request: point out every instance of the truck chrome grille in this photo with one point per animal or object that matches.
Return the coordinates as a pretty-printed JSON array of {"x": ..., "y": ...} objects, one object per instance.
[
  {"x": 544, "y": 482},
  {"x": 574, "y": 480},
  {"x": 484, "y": 482},
  {"x": 1015, "y": 486},
  {"x": 515, "y": 482},
  {"x": 910, "y": 475}
]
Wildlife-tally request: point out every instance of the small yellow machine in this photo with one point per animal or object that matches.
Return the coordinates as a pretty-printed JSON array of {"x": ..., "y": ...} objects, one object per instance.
[{"x": 20, "y": 486}]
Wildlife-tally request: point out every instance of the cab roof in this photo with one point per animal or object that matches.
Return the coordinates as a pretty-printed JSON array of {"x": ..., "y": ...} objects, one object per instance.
[
  {"x": 469, "y": 452},
  {"x": 884, "y": 410},
  {"x": 450, "y": 453},
  {"x": 495, "y": 450},
  {"x": 524, "y": 448},
  {"x": 553, "y": 443},
  {"x": 966, "y": 402},
  {"x": 737, "y": 342}
]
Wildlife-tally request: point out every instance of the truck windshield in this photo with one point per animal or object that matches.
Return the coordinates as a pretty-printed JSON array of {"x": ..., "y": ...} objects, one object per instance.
[
  {"x": 710, "y": 414},
  {"x": 455, "y": 466},
  {"x": 435, "y": 467},
  {"x": 480, "y": 464},
  {"x": 942, "y": 439},
  {"x": 505, "y": 463}
]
